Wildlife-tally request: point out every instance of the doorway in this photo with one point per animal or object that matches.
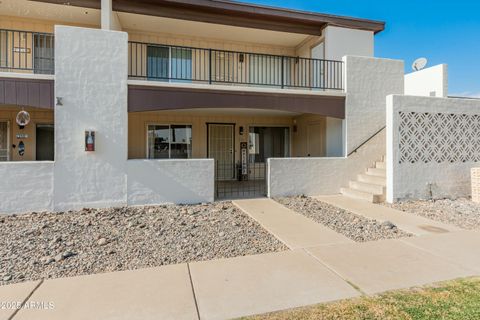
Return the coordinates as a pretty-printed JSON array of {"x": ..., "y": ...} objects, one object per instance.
[
  {"x": 315, "y": 144},
  {"x": 221, "y": 144},
  {"x": 45, "y": 149},
  {"x": 4, "y": 141}
]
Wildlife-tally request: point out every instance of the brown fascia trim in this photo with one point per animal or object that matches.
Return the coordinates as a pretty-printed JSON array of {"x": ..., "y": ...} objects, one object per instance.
[
  {"x": 34, "y": 93},
  {"x": 235, "y": 14},
  {"x": 153, "y": 98}
]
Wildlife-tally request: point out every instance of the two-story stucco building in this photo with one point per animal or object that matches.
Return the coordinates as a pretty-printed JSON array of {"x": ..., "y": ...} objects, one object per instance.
[{"x": 148, "y": 102}]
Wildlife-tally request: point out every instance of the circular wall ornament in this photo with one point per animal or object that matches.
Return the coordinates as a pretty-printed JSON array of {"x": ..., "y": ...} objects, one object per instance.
[{"x": 23, "y": 118}]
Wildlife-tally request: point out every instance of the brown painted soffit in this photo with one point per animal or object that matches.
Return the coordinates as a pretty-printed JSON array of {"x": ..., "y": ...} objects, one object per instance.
[
  {"x": 148, "y": 98},
  {"x": 27, "y": 93},
  {"x": 235, "y": 14}
]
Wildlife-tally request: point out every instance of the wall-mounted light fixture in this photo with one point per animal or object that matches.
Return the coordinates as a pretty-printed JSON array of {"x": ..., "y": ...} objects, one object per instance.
[
  {"x": 241, "y": 57},
  {"x": 59, "y": 101},
  {"x": 240, "y": 130}
]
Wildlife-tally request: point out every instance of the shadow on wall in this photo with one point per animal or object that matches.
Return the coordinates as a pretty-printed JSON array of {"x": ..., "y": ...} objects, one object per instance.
[{"x": 170, "y": 181}]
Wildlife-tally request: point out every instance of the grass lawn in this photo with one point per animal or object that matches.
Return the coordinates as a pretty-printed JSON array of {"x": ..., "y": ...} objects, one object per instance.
[{"x": 458, "y": 299}]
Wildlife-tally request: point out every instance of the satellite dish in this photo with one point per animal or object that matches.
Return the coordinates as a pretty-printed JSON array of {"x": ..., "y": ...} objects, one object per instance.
[{"x": 419, "y": 64}]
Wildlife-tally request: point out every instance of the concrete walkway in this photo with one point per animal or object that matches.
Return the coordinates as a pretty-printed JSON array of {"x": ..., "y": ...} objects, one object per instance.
[
  {"x": 229, "y": 288},
  {"x": 407, "y": 222},
  {"x": 293, "y": 229}
]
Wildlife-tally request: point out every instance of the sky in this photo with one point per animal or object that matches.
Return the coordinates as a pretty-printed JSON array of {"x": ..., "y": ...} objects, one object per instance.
[{"x": 441, "y": 31}]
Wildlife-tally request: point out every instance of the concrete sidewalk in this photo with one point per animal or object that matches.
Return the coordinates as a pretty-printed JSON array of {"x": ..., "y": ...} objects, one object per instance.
[
  {"x": 293, "y": 229},
  {"x": 228, "y": 288},
  {"x": 407, "y": 222}
]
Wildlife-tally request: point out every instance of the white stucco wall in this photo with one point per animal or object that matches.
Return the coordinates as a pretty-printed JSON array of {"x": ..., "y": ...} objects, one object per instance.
[
  {"x": 26, "y": 186},
  {"x": 321, "y": 176},
  {"x": 367, "y": 83},
  {"x": 430, "y": 82},
  {"x": 340, "y": 42},
  {"x": 170, "y": 181},
  {"x": 91, "y": 78},
  {"x": 431, "y": 179}
]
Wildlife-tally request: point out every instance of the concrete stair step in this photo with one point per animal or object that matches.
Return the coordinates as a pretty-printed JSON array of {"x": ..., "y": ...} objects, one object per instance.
[
  {"x": 377, "y": 172},
  {"x": 372, "y": 179},
  {"x": 367, "y": 187},
  {"x": 381, "y": 165},
  {"x": 370, "y": 197}
]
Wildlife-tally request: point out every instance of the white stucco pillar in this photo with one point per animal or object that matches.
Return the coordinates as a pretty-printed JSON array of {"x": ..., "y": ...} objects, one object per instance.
[
  {"x": 91, "y": 78},
  {"x": 106, "y": 14},
  {"x": 368, "y": 81},
  {"x": 110, "y": 20}
]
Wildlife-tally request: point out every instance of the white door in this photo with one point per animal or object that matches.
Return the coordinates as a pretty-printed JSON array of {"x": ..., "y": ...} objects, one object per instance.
[
  {"x": 4, "y": 141},
  {"x": 221, "y": 149},
  {"x": 314, "y": 140}
]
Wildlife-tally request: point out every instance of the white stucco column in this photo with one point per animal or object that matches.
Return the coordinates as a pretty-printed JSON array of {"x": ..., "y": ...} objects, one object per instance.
[
  {"x": 368, "y": 81},
  {"x": 106, "y": 14},
  {"x": 110, "y": 20},
  {"x": 91, "y": 79}
]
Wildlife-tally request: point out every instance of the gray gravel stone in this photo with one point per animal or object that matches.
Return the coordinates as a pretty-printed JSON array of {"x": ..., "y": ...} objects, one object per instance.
[
  {"x": 357, "y": 228},
  {"x": 52, "y": 245},
  {"x": 462, "y": 213}
]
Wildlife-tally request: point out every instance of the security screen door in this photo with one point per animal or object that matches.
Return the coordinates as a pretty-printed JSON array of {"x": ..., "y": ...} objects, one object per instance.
[{"x": 221, "y": 149}]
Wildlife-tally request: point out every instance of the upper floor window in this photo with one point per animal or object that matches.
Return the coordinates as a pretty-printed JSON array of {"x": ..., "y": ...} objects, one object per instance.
[{"x": 169, "y": 63}]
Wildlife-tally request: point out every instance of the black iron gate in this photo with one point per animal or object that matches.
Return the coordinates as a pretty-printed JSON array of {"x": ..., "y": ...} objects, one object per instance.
[{"x": 248, "y": 180}]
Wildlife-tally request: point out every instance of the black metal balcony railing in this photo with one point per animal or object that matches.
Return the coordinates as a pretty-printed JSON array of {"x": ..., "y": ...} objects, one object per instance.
[
  {"x": 34, "y": 52},
  {"x": 187, "y": 64},
  {"x": 25, "y": 51}
]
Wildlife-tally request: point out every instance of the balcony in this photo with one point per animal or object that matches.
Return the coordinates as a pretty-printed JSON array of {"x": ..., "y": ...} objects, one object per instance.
[
  {"x": 156, "y": 62},
  {"x": 26, "y": 52},
  {"x": 33, "y": 52}
]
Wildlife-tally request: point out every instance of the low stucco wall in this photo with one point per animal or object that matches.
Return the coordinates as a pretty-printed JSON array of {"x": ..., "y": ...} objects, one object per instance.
[
  {"x": 432, "y": 143},
  {"x": 151, "y": 182},
  {"x": 26, "y": 186},
  {"x": 321, "y": 176}
]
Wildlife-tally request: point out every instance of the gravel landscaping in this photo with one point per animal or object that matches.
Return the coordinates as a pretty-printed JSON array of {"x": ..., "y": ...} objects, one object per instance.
[
  {"x": 462, "y": 213},
  {"x": 355, "y": 227},
  {"x": 52, "y": 245}
]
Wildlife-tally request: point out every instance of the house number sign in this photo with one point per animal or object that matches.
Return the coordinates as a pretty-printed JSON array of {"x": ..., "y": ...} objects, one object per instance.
[{"x": 243, "y": 147}]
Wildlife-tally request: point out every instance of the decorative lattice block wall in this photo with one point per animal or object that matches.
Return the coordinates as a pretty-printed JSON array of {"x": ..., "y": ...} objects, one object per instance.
[
  {"x": 439, "y": 137},
  {"x": 476, "y": 185}
]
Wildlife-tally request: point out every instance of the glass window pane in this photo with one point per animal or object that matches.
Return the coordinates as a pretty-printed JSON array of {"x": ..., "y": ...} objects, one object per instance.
[
  {"x": 158, "y": 63},
  {"x": 181, "y": 146},
  {"x": 181, "y": 64},
  {"x": 158, "y": 142},
  {"x": 43, "y": 53}
]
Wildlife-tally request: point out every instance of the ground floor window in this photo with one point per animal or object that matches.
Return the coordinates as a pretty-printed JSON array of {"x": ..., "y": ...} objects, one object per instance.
[
  {"x": 4, "y": 143},
  {"x": 268, "y": 142},
  {"x": 169, "y": 141}
]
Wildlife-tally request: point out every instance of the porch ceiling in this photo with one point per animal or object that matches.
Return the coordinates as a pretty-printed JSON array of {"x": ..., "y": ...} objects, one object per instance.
[{"x": 157, "y": 98}]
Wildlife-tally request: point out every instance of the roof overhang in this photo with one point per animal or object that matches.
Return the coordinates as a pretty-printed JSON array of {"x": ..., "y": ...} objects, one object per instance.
[{"x": 235, "y": 14}]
